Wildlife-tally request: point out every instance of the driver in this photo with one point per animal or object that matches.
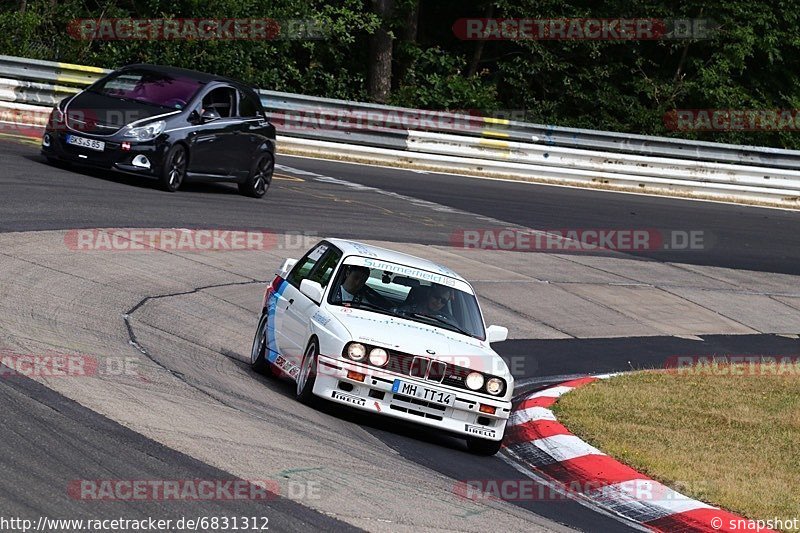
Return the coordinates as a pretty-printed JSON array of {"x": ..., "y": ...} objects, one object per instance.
[{"x": 353, "y": 287}]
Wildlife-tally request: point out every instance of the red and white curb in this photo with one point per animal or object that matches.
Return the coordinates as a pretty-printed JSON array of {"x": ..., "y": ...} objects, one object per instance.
[{"x": 542, "y": 445}]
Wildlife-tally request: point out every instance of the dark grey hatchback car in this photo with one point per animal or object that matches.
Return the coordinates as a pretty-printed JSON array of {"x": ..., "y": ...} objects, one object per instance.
[{"x": 166, "y": 123}]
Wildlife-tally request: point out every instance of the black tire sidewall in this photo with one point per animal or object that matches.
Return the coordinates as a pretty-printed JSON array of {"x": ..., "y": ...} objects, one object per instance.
[
  {"x": 248, "y": 187},
  {"x": 165, "y": 184},
  {"x": 261, "y": 365},
  {"x": 306, "y": 395}
]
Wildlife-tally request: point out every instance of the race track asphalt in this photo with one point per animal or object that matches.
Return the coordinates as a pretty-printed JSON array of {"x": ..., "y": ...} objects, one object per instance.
[{"x": 35, "y": 196}]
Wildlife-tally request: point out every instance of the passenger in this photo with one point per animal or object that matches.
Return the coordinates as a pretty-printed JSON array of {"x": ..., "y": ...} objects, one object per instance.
[{"x": 434, "y": 302}]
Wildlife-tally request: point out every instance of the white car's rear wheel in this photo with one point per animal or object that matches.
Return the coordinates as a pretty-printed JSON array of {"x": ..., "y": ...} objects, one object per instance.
[
  {"x": 308, "y": 374},
  {"x": 258, "y": 354}
]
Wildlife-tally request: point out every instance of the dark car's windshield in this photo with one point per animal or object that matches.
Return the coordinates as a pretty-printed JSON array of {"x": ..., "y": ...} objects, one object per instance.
[{"x": 149, "y": 87}]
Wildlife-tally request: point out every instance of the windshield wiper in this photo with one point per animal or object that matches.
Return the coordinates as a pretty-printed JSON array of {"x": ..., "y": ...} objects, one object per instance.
[{"x": 438, "y": 320}]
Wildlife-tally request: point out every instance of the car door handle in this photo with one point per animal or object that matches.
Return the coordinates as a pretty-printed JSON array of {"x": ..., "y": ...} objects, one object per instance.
[{"x": 290, "y": 303}]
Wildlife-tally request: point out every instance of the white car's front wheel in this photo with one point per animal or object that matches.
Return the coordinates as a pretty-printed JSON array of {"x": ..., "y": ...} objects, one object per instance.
[{"x": 308, "y": 374}]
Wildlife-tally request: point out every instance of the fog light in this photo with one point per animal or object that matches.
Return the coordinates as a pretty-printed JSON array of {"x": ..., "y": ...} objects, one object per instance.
[
  {"x": 141, "y": 161},
  {"x": 46, "y": 140},
  {"x": 488, "y": 409},
  {"x": 355, "y": 376}
]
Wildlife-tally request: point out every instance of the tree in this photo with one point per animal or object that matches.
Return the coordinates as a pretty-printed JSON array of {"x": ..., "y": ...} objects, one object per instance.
[{"x": 379, "y": 78}]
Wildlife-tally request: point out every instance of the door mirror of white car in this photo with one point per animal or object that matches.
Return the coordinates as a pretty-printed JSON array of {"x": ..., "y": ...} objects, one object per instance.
[
  {"x": 312, "y": 289},
  {"x": 496, "y": 334},
  {"x": 286, "y": 267}
]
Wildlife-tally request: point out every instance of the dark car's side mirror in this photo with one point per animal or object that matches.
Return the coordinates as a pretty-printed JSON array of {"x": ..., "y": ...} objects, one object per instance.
[{"x": 210, "y": 115}]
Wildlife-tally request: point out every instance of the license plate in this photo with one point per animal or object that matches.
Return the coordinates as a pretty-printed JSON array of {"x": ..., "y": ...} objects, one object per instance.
[
  {"x": 424, "y": 393},
  {"x": 83, "y": 142}
]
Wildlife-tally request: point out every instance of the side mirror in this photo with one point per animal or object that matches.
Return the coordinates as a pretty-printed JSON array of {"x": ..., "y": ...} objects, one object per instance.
[
  {"x": 496, "y": 334},
  {"x": 312, "y": 289},
  {"x": 286, "y": 267},
  {"x": 210, "y": 115}
]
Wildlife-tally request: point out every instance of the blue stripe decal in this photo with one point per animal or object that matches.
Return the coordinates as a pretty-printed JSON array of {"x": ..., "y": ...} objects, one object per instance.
[{"x": 272, "y": 347}]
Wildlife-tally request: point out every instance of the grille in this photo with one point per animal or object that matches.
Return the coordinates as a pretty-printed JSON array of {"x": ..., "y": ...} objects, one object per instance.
[
  {"x": 417, "y": 367},
  {"x": 91, "y": 127}
]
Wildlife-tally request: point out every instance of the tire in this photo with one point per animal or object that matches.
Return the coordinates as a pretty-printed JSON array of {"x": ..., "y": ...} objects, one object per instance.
[
  {"x": 483, "y": 446},
  {"x": 260, "y": 178},
  {"x": 258, "y": 353},
  {"x": 174, "y": 171},
  {"x": 308, "y": 374}
]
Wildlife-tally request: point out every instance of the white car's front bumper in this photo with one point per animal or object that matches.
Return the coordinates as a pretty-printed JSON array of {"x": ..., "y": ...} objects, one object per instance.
[{"x": 375, "y": 394}]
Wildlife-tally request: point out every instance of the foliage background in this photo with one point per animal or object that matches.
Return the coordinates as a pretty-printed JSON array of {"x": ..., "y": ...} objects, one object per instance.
[{"x": 752, "y": 62}]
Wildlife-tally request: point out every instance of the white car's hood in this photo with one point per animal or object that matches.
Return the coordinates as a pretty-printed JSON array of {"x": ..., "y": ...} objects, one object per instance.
[{"x": 420, "y": 339}]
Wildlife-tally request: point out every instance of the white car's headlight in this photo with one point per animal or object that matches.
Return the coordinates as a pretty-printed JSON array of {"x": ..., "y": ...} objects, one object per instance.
[
  {"x": 494, "y": 386},
  {"x": 356, "y": 351},
  {"x": 147, "y": 132},
  {"x": 474, "y": 380},
  {"x": 378, "y": 357}
]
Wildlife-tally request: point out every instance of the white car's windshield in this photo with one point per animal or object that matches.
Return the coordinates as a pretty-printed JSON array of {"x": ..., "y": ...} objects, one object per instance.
[{"x": 410, "y": 296}]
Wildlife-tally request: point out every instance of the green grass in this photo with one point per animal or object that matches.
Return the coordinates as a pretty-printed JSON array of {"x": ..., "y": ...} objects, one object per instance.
[{"x": 731, "y": 441}]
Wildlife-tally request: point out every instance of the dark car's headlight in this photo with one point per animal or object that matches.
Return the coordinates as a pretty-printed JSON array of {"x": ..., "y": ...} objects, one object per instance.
[
  {"x": 56, "y": 120},
  {"x": 147, "y": 132}
]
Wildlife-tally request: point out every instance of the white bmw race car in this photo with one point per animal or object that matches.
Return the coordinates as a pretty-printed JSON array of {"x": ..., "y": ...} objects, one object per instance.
[{"x": 388, "y": 333}]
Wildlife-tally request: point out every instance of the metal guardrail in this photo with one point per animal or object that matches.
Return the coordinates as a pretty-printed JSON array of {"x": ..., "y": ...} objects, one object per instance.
[
  {"x": 462, "y": 142},
  {"x": 487, "y": 127}
]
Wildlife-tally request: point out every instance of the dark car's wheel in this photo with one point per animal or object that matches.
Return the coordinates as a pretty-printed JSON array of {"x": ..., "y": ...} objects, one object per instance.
[
  {"x": 258, "y": 354},
  {"x": 174, "y": 168},
  {"x": 308, "y": 374},
  {"x": 260, "y": 177},
  {"x": 483, "y": 446}
]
